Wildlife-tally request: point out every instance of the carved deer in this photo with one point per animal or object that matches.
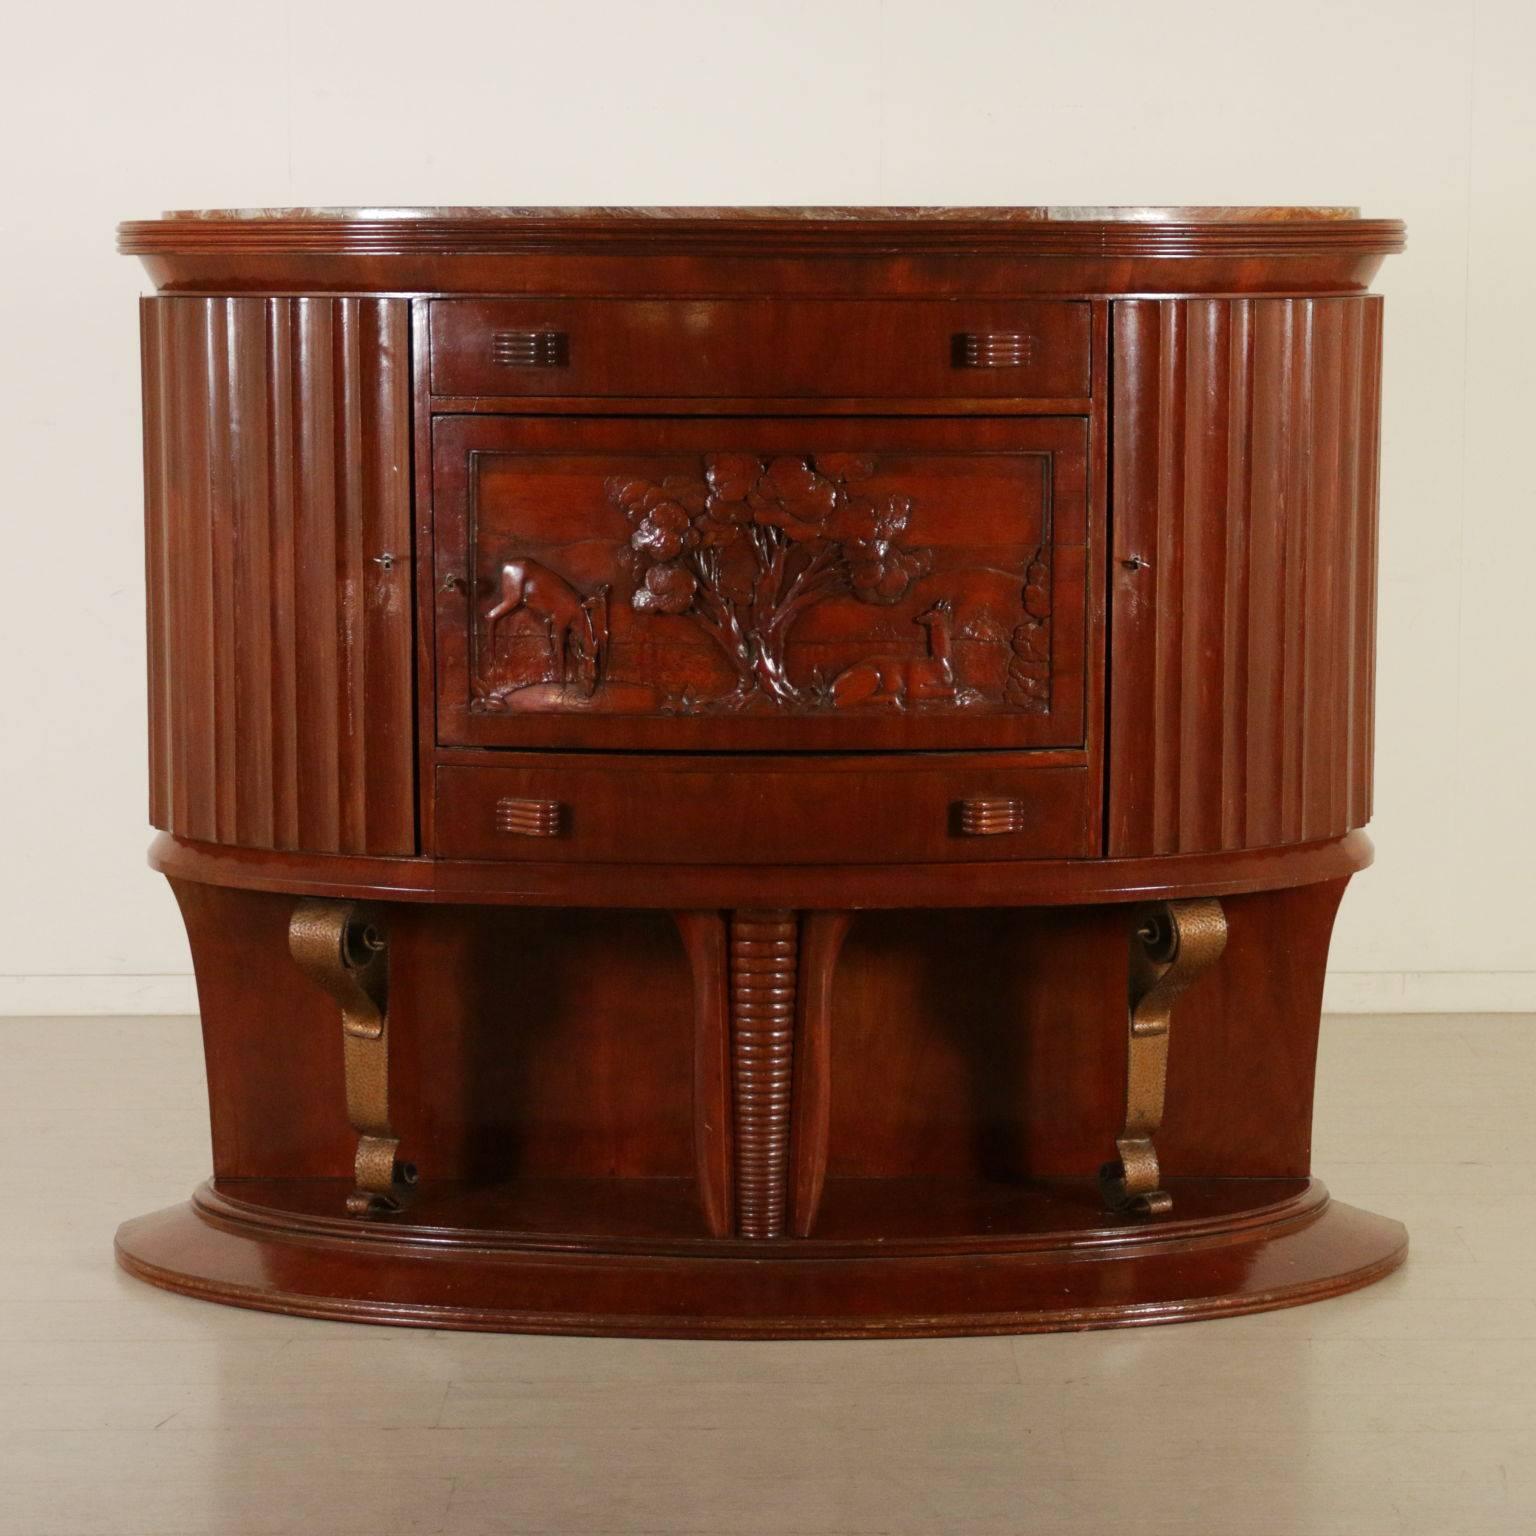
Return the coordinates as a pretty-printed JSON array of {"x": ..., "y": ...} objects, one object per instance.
[
  {"x": 901, "y": 680},
  {"x": 527, "y": 584}
]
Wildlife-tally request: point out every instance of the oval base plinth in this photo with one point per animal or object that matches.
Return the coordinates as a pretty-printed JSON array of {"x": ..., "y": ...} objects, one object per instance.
[{"x": 1232, "y": 1247}]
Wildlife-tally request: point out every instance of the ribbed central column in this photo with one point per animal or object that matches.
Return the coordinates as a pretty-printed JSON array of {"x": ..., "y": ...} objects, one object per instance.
[{"x": 763, "y": 960}]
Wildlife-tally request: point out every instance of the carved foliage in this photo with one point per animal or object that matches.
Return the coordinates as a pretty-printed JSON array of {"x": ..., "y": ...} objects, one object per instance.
[
  {"x": 1028, "y": 684},
  {"x": 748, "y": 547}
]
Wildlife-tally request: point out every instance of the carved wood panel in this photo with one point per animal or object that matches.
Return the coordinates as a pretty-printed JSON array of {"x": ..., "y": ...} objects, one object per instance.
[
  {"x": 277, "y": 507},
  {"x": 712, "y": 585},
  {"x": 1244, "y": 572}
]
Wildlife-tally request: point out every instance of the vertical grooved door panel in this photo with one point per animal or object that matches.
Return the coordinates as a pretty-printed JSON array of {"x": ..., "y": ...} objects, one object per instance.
[
  {"x": 1244, "y": 573},
  {"x": 277, "y": 504}
]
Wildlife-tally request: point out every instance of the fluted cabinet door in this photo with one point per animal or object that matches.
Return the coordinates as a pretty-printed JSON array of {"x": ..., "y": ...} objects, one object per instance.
[
  {"x": 1244, "y": 610},
  {"x": 277, "y": 499}
]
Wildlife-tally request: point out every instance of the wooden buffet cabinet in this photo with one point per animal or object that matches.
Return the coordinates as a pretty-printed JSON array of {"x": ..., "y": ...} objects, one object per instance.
[{"x": 761, "y": 772}]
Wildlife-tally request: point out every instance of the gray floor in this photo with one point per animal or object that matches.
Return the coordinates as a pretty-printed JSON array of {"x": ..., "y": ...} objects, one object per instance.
[{"x": 1408, "y": 1408}]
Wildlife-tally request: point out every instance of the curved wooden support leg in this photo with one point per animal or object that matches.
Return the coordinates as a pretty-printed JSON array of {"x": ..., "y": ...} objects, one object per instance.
[
  {"x": 764, "y": 948},
  {"x": 1173, "y": 945},
  {"x": 704, "y": 940},
  {"x": 821, "y": 941},
  {"x": 341, "y": 947}
]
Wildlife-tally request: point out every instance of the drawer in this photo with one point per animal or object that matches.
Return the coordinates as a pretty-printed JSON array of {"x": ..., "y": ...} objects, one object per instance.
[
  {"x": 586, "y": 808},
  {"x": 761, "y": 348}
]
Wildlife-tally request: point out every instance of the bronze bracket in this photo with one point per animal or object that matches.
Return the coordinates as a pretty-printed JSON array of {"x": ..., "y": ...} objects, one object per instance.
[
  {"x": 342, "y": 948},
  {"x": 1172, "y": 946}
]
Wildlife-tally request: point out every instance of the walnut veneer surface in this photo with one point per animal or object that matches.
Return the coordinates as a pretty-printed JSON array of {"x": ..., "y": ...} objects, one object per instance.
[{"x": 789, "y": 733}]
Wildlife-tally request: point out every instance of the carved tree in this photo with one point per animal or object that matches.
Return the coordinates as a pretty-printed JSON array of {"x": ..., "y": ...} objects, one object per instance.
[{"x": 747, "y": 548}]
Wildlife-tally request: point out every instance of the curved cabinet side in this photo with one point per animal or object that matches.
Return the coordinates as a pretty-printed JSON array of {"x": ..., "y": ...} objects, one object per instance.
[
  {"x": 1244, "y": 569},
  {"x": 277, "y": 506}
]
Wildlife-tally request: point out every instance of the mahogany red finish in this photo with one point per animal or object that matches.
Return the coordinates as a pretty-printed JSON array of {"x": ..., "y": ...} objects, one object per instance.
[{"x": 756, "y": 677}]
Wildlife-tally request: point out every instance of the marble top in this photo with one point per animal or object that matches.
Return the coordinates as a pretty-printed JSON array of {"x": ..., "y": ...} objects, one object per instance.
[{"x": 1138, "y": 214}]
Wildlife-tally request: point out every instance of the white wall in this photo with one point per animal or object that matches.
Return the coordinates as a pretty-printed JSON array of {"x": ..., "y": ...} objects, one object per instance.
[{"x": 1420, "y": 110}]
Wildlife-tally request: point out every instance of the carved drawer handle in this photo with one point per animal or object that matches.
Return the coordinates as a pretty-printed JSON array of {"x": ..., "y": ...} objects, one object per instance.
[
  {"x": 530, "y": 349},
  {"x": 992, "y": 349},
  {"x": 529, "y": 818},
  {"x": 991, "y": 818}
]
